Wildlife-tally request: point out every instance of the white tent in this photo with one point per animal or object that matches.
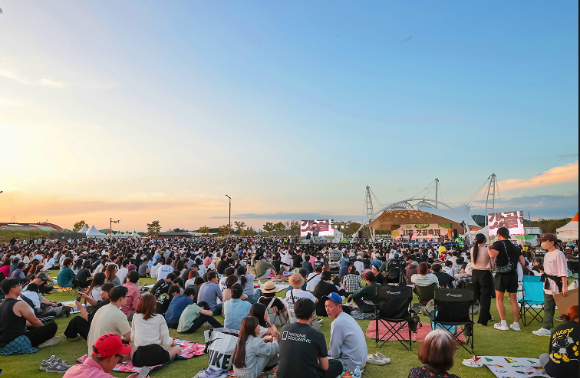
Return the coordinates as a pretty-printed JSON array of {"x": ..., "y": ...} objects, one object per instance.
[
  {"x": 94, "y": 233},
  {"x": 569, "y": 232},
  {"x": 85, "y": 229},
  {"x": 135, "y": 235}
]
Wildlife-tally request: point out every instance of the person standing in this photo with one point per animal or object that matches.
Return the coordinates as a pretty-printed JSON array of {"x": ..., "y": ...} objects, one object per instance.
[
  {"x": 506, "y": 257},
  {"x": 555, "y": 279},
  {"x": 482, "y": 278}
]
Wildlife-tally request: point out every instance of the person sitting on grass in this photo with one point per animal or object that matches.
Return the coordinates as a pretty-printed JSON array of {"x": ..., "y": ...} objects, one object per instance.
[
  {"x": 107, "y": 351},
  {"x": 258, "y": 310},
  {"x": 235, "y": 309},
  {"x": 176, "y": 307},
  {"x": 437, "y": 353},
  {"x": 152, "y": 344},
  {"x": 347, "y": 340},
  {"x": 79, "y": 325},
  {"x": 562, "y": 361},
  {"x": 65, "y": 274},
  {"x": 133, "y": 294},
  {"x": 14, "y": 316},
  {"x": 254, "y": 354},
  {"x": 367, "y": 293},
  {"x": 110, "y": 318},
  {"x": 162, "y": 286},
  {"x": 164, "y": 300},
  {"x": 194, "y": 316}
]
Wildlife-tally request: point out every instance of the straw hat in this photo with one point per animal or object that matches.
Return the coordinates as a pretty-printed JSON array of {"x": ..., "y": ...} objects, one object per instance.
[
  {"x": 269, "y": 287},
  {"x": 296, "y": 280}
]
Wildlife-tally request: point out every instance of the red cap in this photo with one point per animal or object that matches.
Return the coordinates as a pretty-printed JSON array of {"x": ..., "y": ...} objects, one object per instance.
[
  {"x": 110, "y": 344},
  {"x": 548, "y": 237}
]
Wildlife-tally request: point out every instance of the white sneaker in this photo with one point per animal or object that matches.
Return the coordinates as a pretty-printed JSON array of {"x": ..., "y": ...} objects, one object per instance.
[
  {"x": 542, "y": 332},
  {"x": 515, "y": 326},
  {"x": 55, "y": 340},
  {"x": 501, "y": 327}
]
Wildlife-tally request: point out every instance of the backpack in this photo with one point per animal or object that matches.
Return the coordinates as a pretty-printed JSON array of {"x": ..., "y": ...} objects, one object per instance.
[{"x": 395, "y": 272}]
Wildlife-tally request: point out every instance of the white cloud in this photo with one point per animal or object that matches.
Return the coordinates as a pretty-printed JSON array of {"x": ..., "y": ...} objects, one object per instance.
[{"x": 553, "y": 176}]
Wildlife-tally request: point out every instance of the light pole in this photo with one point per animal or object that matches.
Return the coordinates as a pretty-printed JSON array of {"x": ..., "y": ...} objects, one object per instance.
[{"x": 229, "y": 215}]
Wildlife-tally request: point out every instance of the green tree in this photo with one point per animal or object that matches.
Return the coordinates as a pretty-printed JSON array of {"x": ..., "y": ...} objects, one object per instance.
[
  {"x": 240, "y": 226},
  {"x": 279, "y": 228},
  {"x": 294, "y": 228},
  {"x": 153, "y": 228},
  {"x": 79, "y": 226},
  {"x": 203, "y": 229},
  {"x": 224, "y": 230},
  {"x": 179, "y": 230},
  {"x": 269, "y": 227}
]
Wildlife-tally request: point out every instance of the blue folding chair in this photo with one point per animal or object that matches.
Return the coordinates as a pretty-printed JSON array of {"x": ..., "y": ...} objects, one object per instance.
[
  {"x": 533, "y": 297},
  {"x": 532, "y": 278}
]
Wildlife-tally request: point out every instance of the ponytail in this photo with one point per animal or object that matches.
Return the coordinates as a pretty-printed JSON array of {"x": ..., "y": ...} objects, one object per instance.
[
  {"x": 479, "y": 238},
  {"x": 242, "y": 273}
]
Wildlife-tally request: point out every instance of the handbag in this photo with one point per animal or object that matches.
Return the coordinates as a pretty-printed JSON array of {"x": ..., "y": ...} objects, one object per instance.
[{"x": 509, "y": 267}]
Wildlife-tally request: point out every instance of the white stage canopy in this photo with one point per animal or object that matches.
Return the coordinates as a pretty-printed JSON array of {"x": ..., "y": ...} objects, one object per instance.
[
  {"x": 94, "y": 233},
  {"x": 569, "y": 232}
]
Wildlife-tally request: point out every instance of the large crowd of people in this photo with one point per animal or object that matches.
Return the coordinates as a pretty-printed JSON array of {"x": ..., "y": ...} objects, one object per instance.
[{"x": 199, "y": 279}]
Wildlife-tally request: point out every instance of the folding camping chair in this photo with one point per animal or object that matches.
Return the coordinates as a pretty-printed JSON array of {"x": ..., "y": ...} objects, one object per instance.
[
  {"x": 452, "y": 310},
  {"x": 532, "y": 301},
  {"x": 392, "y": 310},
  {"x": 425, "y": 293}
]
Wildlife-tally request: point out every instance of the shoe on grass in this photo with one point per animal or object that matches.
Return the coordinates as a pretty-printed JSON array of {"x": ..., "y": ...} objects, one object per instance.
[
  {"x": 542, "y": 332},
  {"x": 558, "y": 319},
  {"x": 380, "y": 356},
  {"x": 501, "y": 327},
  {"x": 515, "y": 326},
  {"x": 77, "y": 337},
  {"x": 55, "y": 340},
  {"x": 473, "y": 362},
  {"x": 57, "y": 367},
  {"x": 45, "y": 363}
]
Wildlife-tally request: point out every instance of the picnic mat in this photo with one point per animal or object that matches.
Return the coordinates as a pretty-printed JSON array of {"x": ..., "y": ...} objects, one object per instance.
[
  {"x": 418, "y": 337},
  {"x": 504, "y": 367},
  {"x": 273, "y": 373},
  {"x": 188, "y": 350}
]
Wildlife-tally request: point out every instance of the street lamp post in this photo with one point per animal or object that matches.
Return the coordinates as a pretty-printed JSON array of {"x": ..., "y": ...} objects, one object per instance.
[{"x": 229, "y": 215}]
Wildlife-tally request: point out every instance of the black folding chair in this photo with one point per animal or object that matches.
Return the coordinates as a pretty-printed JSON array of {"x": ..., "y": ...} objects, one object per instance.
[
  {"x": 425, "y": 293},
  {"x": 392, "y": 310},
  {"x": 453, "y": 308}
]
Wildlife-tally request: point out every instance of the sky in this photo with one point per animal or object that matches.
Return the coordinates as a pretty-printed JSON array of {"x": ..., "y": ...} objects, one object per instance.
[{"x": 143, "y": 110}]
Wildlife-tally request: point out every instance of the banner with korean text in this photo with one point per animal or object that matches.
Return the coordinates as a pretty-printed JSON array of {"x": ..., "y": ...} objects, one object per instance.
[{"x": 421, "y": 231}]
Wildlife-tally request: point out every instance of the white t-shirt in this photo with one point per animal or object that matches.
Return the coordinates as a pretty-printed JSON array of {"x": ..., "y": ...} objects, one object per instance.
[
  {"x": 163, "y": 271},
  {"x": 298, "y": 293},
  {"x": 121, "y": 274},
  {"x": 555, "y": 265},
  {"x": 49, "y": 263},
  {"x": 313, "y": 280}
]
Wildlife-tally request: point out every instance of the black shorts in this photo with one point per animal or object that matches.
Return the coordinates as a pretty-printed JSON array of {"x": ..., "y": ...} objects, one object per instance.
[
  {"x": 150, "y": 355},
  {"x": 506, "y": 282}
]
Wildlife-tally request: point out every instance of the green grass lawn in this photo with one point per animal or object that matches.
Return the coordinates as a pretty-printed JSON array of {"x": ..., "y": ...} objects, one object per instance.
[{"x": 488, "y": 341}]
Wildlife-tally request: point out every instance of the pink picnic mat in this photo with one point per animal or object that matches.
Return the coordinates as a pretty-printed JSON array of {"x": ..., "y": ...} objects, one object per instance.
[
  {"x": 404, "y": 332},
  {"x": 188, "y": 350}
]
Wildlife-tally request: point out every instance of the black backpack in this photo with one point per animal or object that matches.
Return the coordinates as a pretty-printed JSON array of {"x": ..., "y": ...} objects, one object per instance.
[{"x": 395, "y": 272}]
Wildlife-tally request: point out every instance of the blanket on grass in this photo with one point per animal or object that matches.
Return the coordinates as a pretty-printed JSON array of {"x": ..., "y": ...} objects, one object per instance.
[
  {"x": 273, "y": 373},
  {"x": 419, "y": 337},
  {"x": 514, "y": 367},
  {"x": 188, "y": 350}
]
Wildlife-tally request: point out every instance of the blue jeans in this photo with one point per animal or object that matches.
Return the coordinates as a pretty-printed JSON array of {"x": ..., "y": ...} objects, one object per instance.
[
  {"x": 217, "y": 309},
  {"x": 254, "y": 297}
]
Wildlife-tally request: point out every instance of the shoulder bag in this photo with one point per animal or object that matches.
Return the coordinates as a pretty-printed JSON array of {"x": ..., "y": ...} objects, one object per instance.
[{"x": 509, "y": 267}]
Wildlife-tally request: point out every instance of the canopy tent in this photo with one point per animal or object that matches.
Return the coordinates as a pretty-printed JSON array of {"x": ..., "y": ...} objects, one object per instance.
[
  {"x": 569, "y": 232},
  {"x": 421, "y": 212},
  {"x": 84, "y": 229},
  {"x": 135, "y": 235},
  {"x": 94, "y": 233}
]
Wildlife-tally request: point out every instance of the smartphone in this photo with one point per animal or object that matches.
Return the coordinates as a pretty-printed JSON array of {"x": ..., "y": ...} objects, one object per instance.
[
  {"x": 79, "y": 297},
  {"x": 144, "y": 372}
]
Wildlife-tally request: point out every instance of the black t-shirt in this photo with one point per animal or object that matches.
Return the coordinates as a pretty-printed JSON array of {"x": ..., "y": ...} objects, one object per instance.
[
  {"x": 502, "y": 258},
  {"x": 297, "y": 259},
  {"x": 445, "y": 280},
  {"x": 82, "y": 275},
  {"x": 266, "y": 301},
  {"x": 564, "y": 338},
  {"x": 300, "y": 348},
  {"x": 322, "y": 289},
  {"x": 163, "y": 303},
  {"x": 161, "y": 287}
]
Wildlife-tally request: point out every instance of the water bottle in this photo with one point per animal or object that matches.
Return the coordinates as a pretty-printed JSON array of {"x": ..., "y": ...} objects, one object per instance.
[{"x": 356, "y": 373}]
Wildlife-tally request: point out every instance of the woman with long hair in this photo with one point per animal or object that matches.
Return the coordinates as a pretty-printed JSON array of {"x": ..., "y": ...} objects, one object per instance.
[
  {"x": 94, "y": 290},
  {"x": 253, "y": 353},
  {"x": 111, "y": 275},
  {"x": 258, "y": 311},
  {"x": 247, "y": 281},
  {"x": 152, "y": 344},
  {"x": 482, "y": 278}
]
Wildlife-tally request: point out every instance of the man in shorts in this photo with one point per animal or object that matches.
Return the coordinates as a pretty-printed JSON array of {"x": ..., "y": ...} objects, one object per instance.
[{"x": 506, "y": 254}]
